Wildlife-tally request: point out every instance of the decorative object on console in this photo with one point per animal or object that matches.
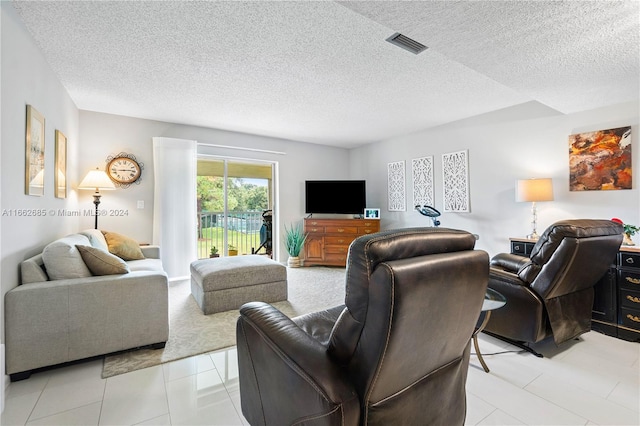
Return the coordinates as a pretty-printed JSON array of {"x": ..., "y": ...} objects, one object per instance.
[
  {"x": 34, "y": 138},
  {"x": 60, "y": 176},
  {"x": 534, "y": 190},
  {"x": 600, "y": 160},
  {"x": 96, "y": 179},
  {"x": 372, "y": 213},
  {"x": 455, "y": 178},
  {"x": 396, "y": 183},
  {"x": 124, "y": 169},
  {"x": 293, "y": 242},
  {"x": 429, "y": 212},
  {"x": 629, "y": 231},
  {"x": 422, "y": 169}
]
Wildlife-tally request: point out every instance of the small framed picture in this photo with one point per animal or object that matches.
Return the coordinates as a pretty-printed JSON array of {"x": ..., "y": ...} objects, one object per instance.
[
  {"x": 60, "y": 177},
  {"x": 34, "y": 168},
  {"x": 372, "y": 213}
]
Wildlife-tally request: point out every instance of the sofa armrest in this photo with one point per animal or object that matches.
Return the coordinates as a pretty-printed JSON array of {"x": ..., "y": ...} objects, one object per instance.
[
  {"x": 151, "y": 252},
  {"x": 276, "y": 358}
]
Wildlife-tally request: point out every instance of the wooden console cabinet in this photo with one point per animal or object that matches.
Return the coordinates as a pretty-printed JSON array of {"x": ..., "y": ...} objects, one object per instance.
[{"x": 328, "y": 240}]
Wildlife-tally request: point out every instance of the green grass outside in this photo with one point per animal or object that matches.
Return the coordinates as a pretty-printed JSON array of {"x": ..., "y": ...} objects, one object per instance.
[{"x": 214, "y": 237}]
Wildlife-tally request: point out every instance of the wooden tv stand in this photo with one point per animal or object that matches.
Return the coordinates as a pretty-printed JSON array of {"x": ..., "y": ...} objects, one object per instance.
[{"x": 328, "y": 240}]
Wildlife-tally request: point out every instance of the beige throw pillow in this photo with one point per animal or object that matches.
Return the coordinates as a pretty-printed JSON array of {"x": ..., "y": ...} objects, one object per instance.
[
  {"x": 62, "y": 259},
  {"x": 123, "y": 247},
  {"x": 100, "y": 262}
]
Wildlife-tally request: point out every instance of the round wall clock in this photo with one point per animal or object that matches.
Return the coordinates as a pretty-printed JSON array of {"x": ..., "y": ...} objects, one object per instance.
[{"x": 124, "y": 169}]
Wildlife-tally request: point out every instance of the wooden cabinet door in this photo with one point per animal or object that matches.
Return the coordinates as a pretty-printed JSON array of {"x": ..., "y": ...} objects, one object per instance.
[{"x": 314, "y": 249}]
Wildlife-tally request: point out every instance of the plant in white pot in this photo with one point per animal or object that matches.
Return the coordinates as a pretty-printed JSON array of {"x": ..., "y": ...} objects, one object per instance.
[{"x": 294, "y": 240}]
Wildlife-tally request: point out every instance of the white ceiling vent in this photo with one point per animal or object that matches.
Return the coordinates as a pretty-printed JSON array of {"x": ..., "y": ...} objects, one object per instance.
[{"x": 407, "y": 43}]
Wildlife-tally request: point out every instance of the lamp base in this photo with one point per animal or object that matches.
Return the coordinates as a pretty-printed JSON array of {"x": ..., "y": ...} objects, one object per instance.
[
  {"x": 533, "y": 236},
  {"x": 96, "y": 201}
]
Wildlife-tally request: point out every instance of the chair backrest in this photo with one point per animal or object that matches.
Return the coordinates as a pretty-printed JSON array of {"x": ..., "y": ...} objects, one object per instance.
[
  {"x": 413, "y": 297},
  {"x": 571, "y": 255}
]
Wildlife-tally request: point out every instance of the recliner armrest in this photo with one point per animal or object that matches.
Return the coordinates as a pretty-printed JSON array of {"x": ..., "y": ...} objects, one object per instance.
[
  {"x": 509, "y": 262},
  {"x": 290, "y": 362}
]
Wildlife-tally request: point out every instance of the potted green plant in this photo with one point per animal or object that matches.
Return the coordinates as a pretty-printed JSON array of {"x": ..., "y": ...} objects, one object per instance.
[
  {"x": 293, "y": 242},
  {"x": 628, "y": 231},
  {"x": 233, "y": 250},
  {"x": 214, "y": 252}
]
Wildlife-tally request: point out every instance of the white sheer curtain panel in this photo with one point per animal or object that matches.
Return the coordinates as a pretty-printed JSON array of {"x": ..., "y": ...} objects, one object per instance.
[{"x": 174, "y": 207}]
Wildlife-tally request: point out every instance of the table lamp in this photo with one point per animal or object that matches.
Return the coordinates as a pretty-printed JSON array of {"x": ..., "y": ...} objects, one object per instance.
[
  {"x": 534, "y": 190},
  {"x": 96, "y": 179}
]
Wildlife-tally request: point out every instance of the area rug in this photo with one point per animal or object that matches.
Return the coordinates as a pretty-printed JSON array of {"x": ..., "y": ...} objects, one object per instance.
[{"x": 193, "y": 333}]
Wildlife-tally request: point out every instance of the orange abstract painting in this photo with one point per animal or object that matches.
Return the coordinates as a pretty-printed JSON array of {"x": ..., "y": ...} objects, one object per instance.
[{"x": 600, "y": 160}]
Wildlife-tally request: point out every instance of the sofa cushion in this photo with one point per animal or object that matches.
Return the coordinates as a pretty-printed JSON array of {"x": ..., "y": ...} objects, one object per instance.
[
  {"x": 148, "y": 264},
  {"x": 122, "y": 246},
  {"x": 62, "y": 259},
  {"x": 96, "y": 238},
  {"x": 101, "y": 262}
]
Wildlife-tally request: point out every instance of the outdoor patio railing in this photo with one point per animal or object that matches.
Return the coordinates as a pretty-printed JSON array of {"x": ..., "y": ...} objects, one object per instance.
[{"x": 244, "y": 232}]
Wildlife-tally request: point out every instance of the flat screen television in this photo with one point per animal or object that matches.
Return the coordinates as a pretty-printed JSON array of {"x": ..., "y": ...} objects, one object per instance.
[{"x": 335, "y": 196}]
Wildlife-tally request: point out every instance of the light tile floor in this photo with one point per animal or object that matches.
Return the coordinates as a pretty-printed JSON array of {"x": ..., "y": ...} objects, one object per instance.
[{"x": 592, "y": 381}]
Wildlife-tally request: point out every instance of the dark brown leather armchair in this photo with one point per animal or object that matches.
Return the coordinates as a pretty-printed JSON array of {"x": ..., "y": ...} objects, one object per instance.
[
  {"x": 397, "y": 352},
  {"x": 551, "y": 293}
]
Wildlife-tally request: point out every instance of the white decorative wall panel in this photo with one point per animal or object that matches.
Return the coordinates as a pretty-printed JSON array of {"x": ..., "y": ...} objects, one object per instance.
[
  {"x": 455, "y": 177},
  {"x": 396, "y": 179},
  {"x": 422, "y": 169}
]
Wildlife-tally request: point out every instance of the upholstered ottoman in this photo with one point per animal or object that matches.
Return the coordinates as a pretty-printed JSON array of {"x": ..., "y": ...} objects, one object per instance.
[{"x": 226, "y": 283}]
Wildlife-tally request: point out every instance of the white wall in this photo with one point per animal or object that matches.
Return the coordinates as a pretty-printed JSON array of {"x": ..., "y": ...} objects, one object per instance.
[
  {"x": 102, "y": 135},
  {"x": 3, "y": 381},
  {"x": 27, "y": 79},
  {"x": 526, "y": 141}
]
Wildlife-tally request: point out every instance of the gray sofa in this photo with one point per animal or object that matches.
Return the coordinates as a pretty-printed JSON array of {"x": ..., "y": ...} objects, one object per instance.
[{"x": 63, "y": 312}]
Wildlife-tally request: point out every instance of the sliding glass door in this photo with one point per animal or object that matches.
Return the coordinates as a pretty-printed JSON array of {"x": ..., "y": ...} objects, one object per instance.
[{"x": 235, "y": 206}]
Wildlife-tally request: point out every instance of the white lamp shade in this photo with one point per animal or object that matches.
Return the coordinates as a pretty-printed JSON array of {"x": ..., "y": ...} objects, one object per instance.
[
  {"x": 534, "y": 190},
  {"x": 96, "y": 180}
]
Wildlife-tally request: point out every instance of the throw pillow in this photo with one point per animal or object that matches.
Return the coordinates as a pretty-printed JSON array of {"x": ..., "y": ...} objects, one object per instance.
[
  {"x": 95, "y": 238},
  {"x": 123, "y": 247},
  {"x": 62, "y": 259},
  {"x": 101, "y": 262}
]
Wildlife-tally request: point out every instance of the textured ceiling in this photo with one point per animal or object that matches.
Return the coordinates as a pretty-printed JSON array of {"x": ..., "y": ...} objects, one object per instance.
[{"x": 322, "y": 72}]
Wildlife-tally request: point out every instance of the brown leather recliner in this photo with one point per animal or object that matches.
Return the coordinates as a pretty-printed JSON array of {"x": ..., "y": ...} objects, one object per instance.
[
  {"x": 551, "y": 293},
  {"x": 397, "y": 352}
]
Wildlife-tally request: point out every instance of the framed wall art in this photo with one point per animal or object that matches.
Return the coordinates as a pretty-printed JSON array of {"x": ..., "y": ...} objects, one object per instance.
[
  {"x": 422, "y": 169},
  {"x": 600, "y": 160},
  {"x": 34, "y": 170},
  {"x": 455, "y": 178},
  {"x": 396, "y": 181},
  {"x": 60, "y": 177}
]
